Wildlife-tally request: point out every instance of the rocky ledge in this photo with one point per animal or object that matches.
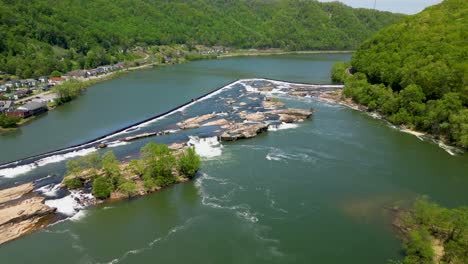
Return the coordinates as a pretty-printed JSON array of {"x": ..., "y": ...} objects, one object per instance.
[
  {"x": 272, "y": 111},
  {"x": 21, "y": 212}
]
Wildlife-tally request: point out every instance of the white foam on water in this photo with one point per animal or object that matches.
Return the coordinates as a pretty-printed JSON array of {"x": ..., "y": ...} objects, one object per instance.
[
  {"x": 449, "y": 149},
  {"x": 282, "y": 126},
  {"x": 206, "y": 147},
  {"x": 272, "y": 157},
  {"x": 69, "y": 205},
  {"x": 58, "y": 158},
  {"x": 117, "y": 144},
  {"x": 13, "y": 172},
  {"x": 279, "y": 155},
  {"x": 79, "y": 216},
  {"x": 49, "y": 190}
]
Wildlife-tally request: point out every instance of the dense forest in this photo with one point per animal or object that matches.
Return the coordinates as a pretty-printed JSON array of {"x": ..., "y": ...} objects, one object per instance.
[
  {"x": 415, "y": 72},
  {"x": 38, "y": 37}
]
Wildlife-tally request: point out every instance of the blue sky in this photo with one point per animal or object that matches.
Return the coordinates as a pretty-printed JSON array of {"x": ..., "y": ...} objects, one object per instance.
[{"x": 398, "y": 6}]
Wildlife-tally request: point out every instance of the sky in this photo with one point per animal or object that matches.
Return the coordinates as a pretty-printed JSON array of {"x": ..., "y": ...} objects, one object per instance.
[{"x": 396, "y": 6}]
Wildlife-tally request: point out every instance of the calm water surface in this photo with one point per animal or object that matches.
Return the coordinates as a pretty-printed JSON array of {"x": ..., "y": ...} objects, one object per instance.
[{"x": 310, "y": 194}]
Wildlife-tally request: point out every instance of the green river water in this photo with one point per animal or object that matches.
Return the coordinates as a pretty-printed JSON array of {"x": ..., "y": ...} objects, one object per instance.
[{"x": 315, "y": 193}]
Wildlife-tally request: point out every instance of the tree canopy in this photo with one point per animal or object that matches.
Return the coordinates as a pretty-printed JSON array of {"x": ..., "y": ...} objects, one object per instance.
[
  {"x": 415, "y": 72},
  {"x": 42, "y": 36}
]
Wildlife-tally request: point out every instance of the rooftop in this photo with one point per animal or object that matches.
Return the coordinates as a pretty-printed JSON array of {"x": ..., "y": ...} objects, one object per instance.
[{"x": 32, "y": 106}]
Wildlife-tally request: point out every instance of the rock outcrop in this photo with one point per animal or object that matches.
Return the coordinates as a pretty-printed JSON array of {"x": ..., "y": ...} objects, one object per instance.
[
  {"x": 292, "y": 115},
  {"x": 241, "y": 131},
  {"x": 270, "y": 103},
  {"x": 21, "y": 212},
  {"x": 219, "y": 122},
  {"x": 254, "y": 117},
  {"x": 14, "y": 193},
  {"x": 194, "y": 122}
]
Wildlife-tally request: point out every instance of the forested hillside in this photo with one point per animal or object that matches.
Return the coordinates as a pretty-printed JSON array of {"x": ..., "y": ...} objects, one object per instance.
[
  {"x": 415, "y": 72},
  {"x": 37, "y": 37}
]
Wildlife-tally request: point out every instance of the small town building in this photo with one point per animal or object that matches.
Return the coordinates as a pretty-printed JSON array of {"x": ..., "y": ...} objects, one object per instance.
[
  {"x": 56, "y": 80},
  {"x": 5, "y": 106},
  {"x": 28, "y": 83},
  {"x": 43, "y": 79},
  {"x": 17, "y": 84},
  {"x": 21, "y": 93},
  {"x": 29, "y": 109},
  {"x": 3, "y": 88}
]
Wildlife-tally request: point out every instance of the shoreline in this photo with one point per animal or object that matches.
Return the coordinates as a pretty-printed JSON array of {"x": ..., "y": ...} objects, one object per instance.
[
  {"x": 252, "y": 53},
  {"x": 347, "y": 102}
]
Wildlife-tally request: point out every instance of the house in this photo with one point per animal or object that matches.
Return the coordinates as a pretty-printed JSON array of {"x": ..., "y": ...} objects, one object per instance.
[
  {"x": 9, "y": 84},
  {"x": 5, "y": 106},
  {"x": 21, "y": 93},
  {"x": 43, "y": 79},
  {"x": 56, "y": 80},
  {"x": 29, "y": 109},
  {"x": 17, "y": 84},
  {"x": 28, "y": 83},
  {"x": 3, "y": 88}
]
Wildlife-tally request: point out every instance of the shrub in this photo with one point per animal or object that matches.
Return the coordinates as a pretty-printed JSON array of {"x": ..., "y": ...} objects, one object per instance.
[
  {"x": 72, "y": 183},
  {"x": 189, "y": 162},
  {"x": 8, "y": 121},
  {"x": 101, "y": 188}
]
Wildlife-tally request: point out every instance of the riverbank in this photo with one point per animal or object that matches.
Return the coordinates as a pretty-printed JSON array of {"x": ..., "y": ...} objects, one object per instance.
[
  {"x": 257, "y": 52},
  {"x": 336, "y": 97}
]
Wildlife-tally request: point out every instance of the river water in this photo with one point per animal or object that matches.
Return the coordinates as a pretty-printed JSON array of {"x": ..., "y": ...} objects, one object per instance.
[{"x": 311, "y": 193}]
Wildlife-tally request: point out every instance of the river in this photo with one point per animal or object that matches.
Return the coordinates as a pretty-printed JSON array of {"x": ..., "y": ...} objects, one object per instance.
[{"x": 314, "y": 192}]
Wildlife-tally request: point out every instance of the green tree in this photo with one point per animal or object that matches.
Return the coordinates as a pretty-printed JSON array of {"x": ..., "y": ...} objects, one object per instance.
[
  {"x": 55, "y": 74},
  {"x": 101, "y": 188},
  {"x": 72, "y": 182},
  {"x": 418, "y": 249},
  {"x": 188, "y": 162},
  {"x": 129, "y": 188},
  {"x": 338, "y": 72},
  {"x": 111, "y": 168},
  {"x": 8, "y": 121}
]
